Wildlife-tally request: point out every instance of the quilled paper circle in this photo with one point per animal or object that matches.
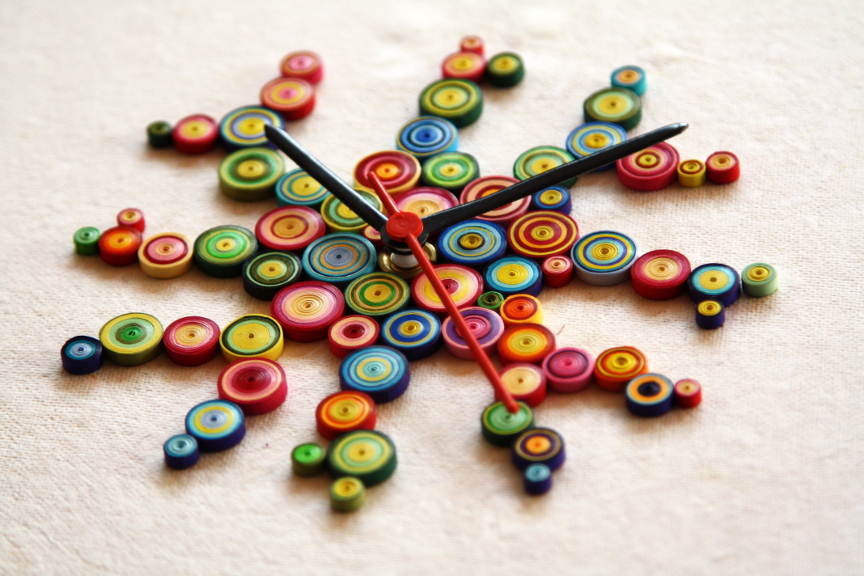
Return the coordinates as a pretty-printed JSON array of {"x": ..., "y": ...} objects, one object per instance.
[
  {"x": 593, "y": 137},
  {"x": 297, "y": 188},
  {"x": 660, "y": 274},
  {"x": 352, "y": 333},
  {"x": 195, "y": 134},
  {"x": 514, "y": 275},
  {"x": 500, "y": 427},
  {"x": 557, "y": 271},
  {"x": 118, "y": 246},
  {"x": 132, "y": 217},
  {"x": 569, "y": 369},
  {"x": 451, "y": 171},
  {"x": 289, "y": 228},
  {"x": 541, "y": 159},
  {"x": 425, "y": 201},
  {"x": 525, "y": 382},
  {"x": 303, "y": 64},
  {"x": 377, "y": 294},
  {"x": 688, "y": 393},
  {"x": 473, "y": 243},
  {"x": 538, "y": 479},
  {"x": 650, "y": 169},
  {"x": 251, "y": 174},
  {"x": 379, "y": 371},
  {"x": 159, "y": 134},
  {"x": 294, "y": 98},
  {"x": 521, "y": 308},
  {"x": 723, "y": 167},
  {"x": 416, "y": 333},
  {"x": 398, "y": 171},
  {"x": 81, "y": 355},
  {"x": 86, "y": 241},
  {"x": 341, "y": 218},
  {"x": 649, "y": 395},
  {"x": 505, "y": 70},
  {"x": 364, "y": 454},
  {"x": 759, "y": 280},
  {"x": 306, "y": 310},
  {"x": 464, "y": 285},
  {"x": 539, "y": 446},
  {"x": 471, "y": 44},
  {"x": 308, "y": 459},
  {"x": 616, "y": 105},
  {"x": 192, "y": 340},
  {"x": 216, "y": 425},
  {"x": 131, "y": 339},
  {"x": 464, "y": 66},
  {"x": 542, "y": 233},
  {"x": 604, "y": 258},
  {"x": 428, "y": 135},
  {"x": 691, "y": 173},
  {"x": 244, "y": 127},
  {"x": 347, "y": 494},
  {"x": 257, "y": 385},
  {"x": 714, "y": 282},
  {"x": 267, "y": 273},
  {"x": 486, "y": 326},
  {"x": 631, "y": 78},
  {"x": 491, "y": 300},
  {"x": 552, "y": 198},
  {"x": 529, "y": 343},
  {"x": 615, "y": 367},
  {"x": 374, "y": 236},
  {"x": 165, "y": 255},
  {"x": 710, "y": 314},
  {"x": 220, "y": 251},
  {"x": 181, "y": 452},
  {"x": 339, "y": 258},
  {"x": 489, "y": 185},
  {"x": 252, "y": 336},
  {"x": 459, "y": 101},
  {"x": 344, "y": 412}
]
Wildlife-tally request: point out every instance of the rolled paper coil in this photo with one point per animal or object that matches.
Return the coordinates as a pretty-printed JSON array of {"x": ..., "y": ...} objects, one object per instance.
[
  {"x": 505, "y": 70},
  {"x": 473, "y": 243},
  {"x": 500, "y": 427},
  {"x": 723, "y": 168},
  {"x": 131, "y": 339},
  {"x": 615, "y": 367},
  {"x": 616, "y": 105},
  {"x": 306, "y": 310},
  {"x": 529, "y": 343},
  {"x": 568, "y": 369},
  {"x": 345, "y": 412},
  {"x": 415, "y": 333},
  {"x": 86, "y": 241},
  {"x": 514, "y": 275},
  {"x": 289, "y": 228},
  {"x": 472, "y": 44},
  {"x": 347, "y": 494},
  {"x": 538, "y": 479},
  {"x": 604, "y": 258},
  {"x": 379, "y": 371},
  {"x": 552, "y": 198},
  {"x": 540, "y": 159},
  {"x": 165, "y": 255},
  {"x": 257, "y": 385},
  {"x": 132, "y": 217},
  {"x": 377, "y": 294},
  {"x": 653, "y": 168},
  {"x": 521, "y": 308},
  {"x": 487, "y": 185},
  {"x": 398, "y": 171},
  {"x": 221, "y": 251},
  {"x": 339, "y": 258},
  {"x": 557, "y": 271},
  {"x": 525, "y": 382},
  {"x": 688, "y": 393},
  {"x": 426, "y": 136},
  {"x": 195, "y": 134},
  {"x": 297, "y": 188},
  {"x": 216, "y": 425},
  {"x": 486, "y": 325},
  {"x": 81, "y": 355},
  {"x": 464, "y": 66},
  {"x": 543, "y": 233},
  {"x": 365, "y": 454},
  {"x": 491, "y": 300},
  {"x": 630, "y": 77},
  {"x": 649, "y": 395},
  {"x": 425, "y": 201},
  {"x": 303, "y": 64},
  {"x": 308, "y": 459},
  {"x": 660, "y": 274},
  {"x": 191, "y": 340},
  {"x": 710, "y": 314},
  {"x": 691, "y": 173},
  {"x": 759, "y": 280},
  {"x": 538, "y": 446},
  {"x": 252, "y": 336},
  {"x": 352, "y": 333},
  {"x": 451, "y": 171},
  {"x": 714, "y": 282},
  {"x": 267, "y": 273},
  {"x": 159, "y": 134},
  {"x": 181, "y": 452},
  {"x": 459, "y": 101},
  {"x": 251, "y": 174},
  {"x": 463, "y": 284},
  {"x": 244, "y": 127},
  {"x": 340, "y": 218},
  {"x": 294, "y": 98},
  {"x": 593, "y": 137},
  {"x": 119, "y": 246}
]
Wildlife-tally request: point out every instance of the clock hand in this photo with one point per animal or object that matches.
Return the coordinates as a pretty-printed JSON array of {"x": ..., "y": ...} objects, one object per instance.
[
  {"x": 446, "y": 218},
  {"x": 325, "y": 177}
]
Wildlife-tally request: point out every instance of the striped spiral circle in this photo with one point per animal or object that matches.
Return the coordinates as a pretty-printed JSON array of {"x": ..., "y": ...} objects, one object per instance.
[
  {"x": 195, "y": 134},
  {"x": 364, "y": 454},
  {"x": 759, "y": 279},
  {"x": 379, "y": 371},
  {"x": 220, "y": 251},
  {"x": 691, "y": 173},
  {"x": 257, "y": 385},
  {"x": 191, "y": 340},
  {"x": 505, "y": 70},
  {"x": 416, "y": 333},
  {"x": 630, "y": 77},
  {"x": 540, "y": 159},
  {"x": 165, "y": 255},
  {"x": 553, "y": 198},
  {"x": 297, "y": 188},
  {"x": 617, "y": 366},
  {"x": 216, "y": 425},
  {"x": 425, "y": 201},
  {"x": 81, "y": 355},
  {"x": 491, "y": 300},
  {"x": 542, "y": 233},
  {"x": 593, "y": 137},
  {"x": 294, "y": 98},
  {"x": 557, "y": 271},
  {"x": 521, "y": 308},
  {"x": 86, "y": 241},
  {"x": 267, "y": 273},
  {"x": 714, "y": 282},
  {"x": 514, "y": 275},
  {"x": 688, "y": 393},
  {"x": 339, "y": 258},
  {"x": 428, "y": 135},
  {"x": 289, "y": 228},
  {"x": 463, "y": 284},
  {"x": 307, "y": 309},
  {"x": 345, "y": 412},
  {"x": 569, "y": 369},
  {"x": 377, "y": 294},
  {"x": 722, "y": 167},
  {"x": 464, "y": 66},
  {"x": 487, "y": 185},
  {"x": 616, "y": 105},
  {"x": 118, "y": 246},
  {"x": 251, "y": 174},
  {"x": 352, "y": 333},
  {"x": 525, "y": 382},
  {"x": 539, "y": 446},
  {"x": 649, "y": 395},
  {"x": 303, "y": 64},
  {"x": 500, "y": 427},
  {"x": 181, "y": 451},
  {"x": 650, "y": 169},
  {"x": 398, "y": 171},
  {"x": 660, "y": 274},
  {"x": 451, "y": 171},
  {"x": 132, "y": 217},
  {"x": 472, "y": 243},
  {"x": 525, "y": 343},
  {"x": 131, "y": 339},
  {"x": 252, "y": 336},
  {"x": 341, "y": 218},
  {"x": 459, "y": 101},
  {"x": 486, "y": 326},
  {"x": 244, "y": 127},
  {"x": 604, "y": 258}
]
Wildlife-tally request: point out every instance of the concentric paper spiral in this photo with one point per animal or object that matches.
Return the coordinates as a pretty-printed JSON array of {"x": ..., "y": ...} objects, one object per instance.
[
  {"x": 710, "y": 314},
  {"x": 345, "y": 412},
  {"x": 398, "y": 171},
  {"x": 131, "y": 339},
  {"x": 542, "y": 234},
  {"x": 81, "y": 355},
  {"x": 294, "y": 98},
  {"x": 539, "y": 446},
  {"x": 181, "y": 452},
  {"x": 649, "y": 395},
  {"x": 257, "y": 385},
  {"x": 514, "y": 275},
  {"x": 244, "y": 127},
  {"x": 267, "y": 273},
  {"x": 616, "y": 105},
  {"x": 557, "y": 271},
  {"x": 416, "y": 333},
  {"x": 86, "y": 241},
  {"x": 723, "y": 167},
  {"x": 714, "y": 282},
  {"x": 473, "y": 243},
  {"x": 486, "y": 326},
  {"x": 339, "y": 258},
  {"x": 660, "y": 274},
  {"x": 525, "y": 343},
  {"x": 630, "y": 77},
  {"x": 489, "y": 185},
  {"x": 525, "y": 382},
  {"x": 252, "y": 336},
  {"x": 505, "y": 70},
  {"x": 297, "y": 188},
  {"x": 521, "y": 309},
  {"x": 220, "y": 251},
  {"x": 691, "y": 173},
  {"x": 306, "y": 310},
  {"x": 615, "y": 367},
  {"x": 195, "y": 134},
  {"x": 464, "y": 66},
  {"x": 451, "y": 171},
  {"x": 552, "y": 198},
  {"x": 364, "y": 454},
  {"x": 341, "y": 218},
  {"x": 501, "y": 427},
  {"x": 650, "y": 169},
  {"x": 472, "y": 44},
  {"x": 352, "y": 333},
  {"x": 192, "y": 340},
  {"x": 165, "y": 255},
  {"x": 459, "y": 101},
  {"x": 541, "y": 159},
  {"x": 594, "y": 137},
  {"x": 428, "y": 135},
  {"x": 538, "y": 479},
  {"x": 251, "y": 174},
  {"x": 132, "y": 217},
  {"x": 463, "y": 284},
  {"x": 347, "y": 494},
  {"x": 303, "y": 64},
  {"x": 759, "y": 280},
  {"x": 377, "y": 294},
  {"x": 216, "y": 425},
  {"x": 289, "y": 228},
  {"x": 688, "y": 393},
  {"x": 379, "y": 371},
  {"x": 308, "y": 459},
  {"x": 569, "y": 369},
  {"x": 119, "y": 246},
  {"x": 159, "y": 134},
  {"x": 604, "y": 258},
  {"x": 491, "y": 300},
  {"x": 425, "y": 201}
]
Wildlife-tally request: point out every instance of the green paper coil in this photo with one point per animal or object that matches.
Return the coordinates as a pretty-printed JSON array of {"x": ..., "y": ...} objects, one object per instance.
[
  {"x": 220, "y": 251},
  {"x": 459, "y": 101},
  {"x": 505, "y": 70},
  {"x": 364, "y": 454},
  {"x": 251, "y": 174},
  {"x": 500, "y": 427},
  {"x": 540, "y": 159},
  {"x": 347, "y": 494},
  {"x": 617, "y": 105},
  {"x": 451, "y": 171},
  {"x": 86, "y": 241},
  {"x": 131, "y": 339},
  {"x": 759, "y": 280},
  {"x": 308, "y": 459}
]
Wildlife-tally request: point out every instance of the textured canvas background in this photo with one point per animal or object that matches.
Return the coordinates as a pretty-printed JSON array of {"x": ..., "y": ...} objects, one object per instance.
[{"x": 764, "y": 478}]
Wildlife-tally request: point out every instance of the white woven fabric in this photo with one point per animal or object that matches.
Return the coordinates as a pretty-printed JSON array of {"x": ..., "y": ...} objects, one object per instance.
[{"x": 763, "y": 478}]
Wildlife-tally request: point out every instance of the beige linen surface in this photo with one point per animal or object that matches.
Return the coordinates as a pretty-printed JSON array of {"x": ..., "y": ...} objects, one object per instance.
[{"x": 763, "y": 478}]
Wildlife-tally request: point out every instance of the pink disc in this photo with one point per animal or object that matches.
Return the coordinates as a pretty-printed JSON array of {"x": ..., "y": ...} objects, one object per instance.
[
  {"x": 303, "y": 64},
  {"x": 192, "y": 340},
  {"x": 257, "y": 385},
  {"x": 306, "y": 310},
  {"x": 166, "y": 249},
  {"x": 489, "y": 185},
  {"x": 569, "y": 369},
  {"x": 290, "y": 228}
]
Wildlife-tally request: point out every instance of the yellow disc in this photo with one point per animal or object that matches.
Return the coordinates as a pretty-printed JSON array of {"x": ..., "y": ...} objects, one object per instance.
[
  {"x": 512, "y": 274},
  {"x": 758, "y": 273},
  {"x": 713, "y": 279},
  {"x": 551, "y": 197},
  {"x": 251, "y": 126},
  {"x": 662, "y": 268},
  {"x": 542, "y": 165},
  {"x": 191, "y": 335},
  {"x": 471, "y": 241},
  {"x": 450, "y": 98},
  {"x": 542, "y": 233},
  {"x": 597, "y": 141},
  {"x": 604, "y": 251},
  {"x": 362, "y": 452},
  {"x": 709, "y": 308},
  {"x": 347, "y": 487},
  {"x": 345, "y": 212},
  {"x": 305, "y": 186},
  {"x": 612, "y": 104},
  {"x": 252, "y": 169},
  {"x": 647, "y": 160},
  {"x": 537, "y": 444},
  {"x": 720, "y": 161},
  {"x": 520, "y": 380},
  {"x": 622, "y": 362},
  {"x": 194, "y": 128},
  {"x": 504, "y": 64}
]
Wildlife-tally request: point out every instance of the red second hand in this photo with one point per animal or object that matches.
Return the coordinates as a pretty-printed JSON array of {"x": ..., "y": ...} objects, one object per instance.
[{"x": 406, "y": 227}]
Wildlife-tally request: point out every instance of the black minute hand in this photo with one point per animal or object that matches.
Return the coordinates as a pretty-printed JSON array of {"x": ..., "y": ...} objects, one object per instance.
[
  {"x": 440, "y": 220},
  {"x": 325, "y": 177}
]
